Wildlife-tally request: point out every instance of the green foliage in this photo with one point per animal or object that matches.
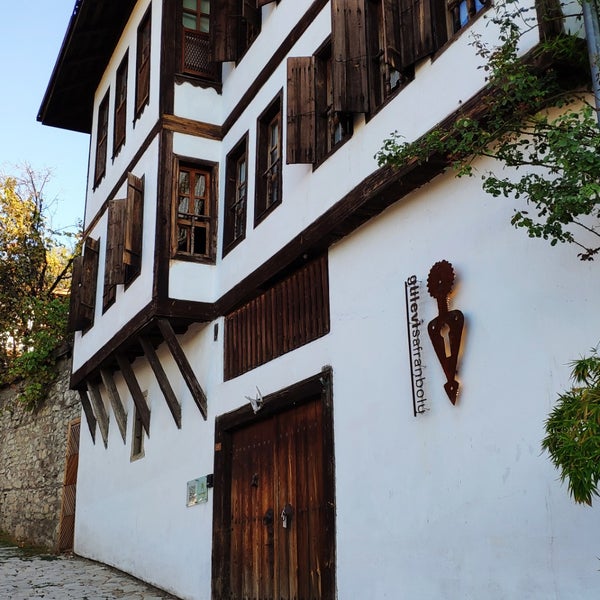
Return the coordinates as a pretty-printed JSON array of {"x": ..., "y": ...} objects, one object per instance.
[
  {"x": 556, "y": 157},
  {"x": 573, "y": 431},
  {"x": 34, "y": 274}
]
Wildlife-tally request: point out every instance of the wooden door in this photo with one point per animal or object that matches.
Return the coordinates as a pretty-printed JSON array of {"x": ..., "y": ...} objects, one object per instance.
[
  {"x": 67, "y": 515},
  {"x": 278, "y": 465}
]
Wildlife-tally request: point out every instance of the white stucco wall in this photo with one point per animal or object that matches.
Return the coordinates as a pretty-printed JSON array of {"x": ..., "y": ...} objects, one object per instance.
[{"x": 457, "y": 503}]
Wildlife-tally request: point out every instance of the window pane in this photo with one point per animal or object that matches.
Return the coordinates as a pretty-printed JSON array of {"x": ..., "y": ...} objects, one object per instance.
[
  {"x": 199, "y": 207},
  {"x": 200, "y": 187},
  {"x": 189, "y": 21},
  {"x": 204, "y": 25},
  {"x": 205, "y": 7},
  {"x": 190, "y": 5},
  {"x": 184, "y": 182},
  {"x": 200, "y": 240},
  {"x": 183, "y": 236},
  {"x": 183, "y": 204}
]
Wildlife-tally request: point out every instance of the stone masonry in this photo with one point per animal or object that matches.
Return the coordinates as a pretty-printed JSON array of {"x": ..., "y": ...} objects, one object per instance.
[{"x": 32, "y": 461}]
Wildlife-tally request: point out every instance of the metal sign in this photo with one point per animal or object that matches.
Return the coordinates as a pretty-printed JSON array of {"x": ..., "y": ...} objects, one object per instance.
[{"x": 197, "y": 491}]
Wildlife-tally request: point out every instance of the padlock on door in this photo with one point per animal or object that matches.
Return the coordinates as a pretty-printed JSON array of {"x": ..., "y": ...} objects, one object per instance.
[{"x": 286, "y": 515}]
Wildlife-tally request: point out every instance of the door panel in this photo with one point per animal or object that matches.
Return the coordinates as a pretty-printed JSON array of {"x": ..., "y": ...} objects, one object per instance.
[{"x": 274, "y": 463}]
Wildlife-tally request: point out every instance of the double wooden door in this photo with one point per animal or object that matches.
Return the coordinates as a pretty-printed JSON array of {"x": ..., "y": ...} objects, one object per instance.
[{"x": 280, "y": 530}]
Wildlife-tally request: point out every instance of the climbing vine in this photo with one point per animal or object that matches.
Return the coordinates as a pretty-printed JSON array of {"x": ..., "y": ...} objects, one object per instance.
[{"x": 554, "y": 155}]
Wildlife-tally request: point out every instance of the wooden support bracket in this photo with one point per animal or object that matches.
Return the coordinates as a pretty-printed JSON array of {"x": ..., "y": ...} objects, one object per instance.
[
  {"x": 163, "y": 380},
  {"x": 89, "y": 413},
  {"x": 184, "y": 366},
  {"x": 135, "y": 391},
  {"x": 115, "y": 402},
  {"x": 99, "y": 411}
]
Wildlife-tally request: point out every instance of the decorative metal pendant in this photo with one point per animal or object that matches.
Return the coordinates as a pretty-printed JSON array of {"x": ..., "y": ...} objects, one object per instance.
[{"x": 445, "y": 331}]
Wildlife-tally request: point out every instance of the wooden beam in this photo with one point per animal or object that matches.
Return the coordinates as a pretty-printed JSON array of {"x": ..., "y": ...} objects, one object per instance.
[
  {"x": 135, "y": 391},
  {"x": 99, "y": 411},
  {"x": 162, "y": 379},
  {"x": 115, "y": 402},
  {"x": 184, "y": 366},
  {"x": 89, "y": 413}
]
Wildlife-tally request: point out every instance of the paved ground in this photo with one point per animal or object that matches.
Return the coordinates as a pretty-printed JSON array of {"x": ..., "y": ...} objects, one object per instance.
[{"x": 26, "y": 574}]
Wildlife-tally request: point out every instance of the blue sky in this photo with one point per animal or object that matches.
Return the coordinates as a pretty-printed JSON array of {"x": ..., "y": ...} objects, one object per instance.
[{"x": 31, "y": 35}]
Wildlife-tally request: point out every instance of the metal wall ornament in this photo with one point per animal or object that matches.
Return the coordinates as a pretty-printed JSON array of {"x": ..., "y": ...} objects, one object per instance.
[{"x": 445, "y": 331}]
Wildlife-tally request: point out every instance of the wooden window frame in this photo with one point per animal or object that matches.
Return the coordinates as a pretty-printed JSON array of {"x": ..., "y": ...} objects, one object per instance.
[
  {"x": 101, "y": 140},
  {"x": 137, "y": 433},
  {"x": 472, "y": 9},
  {"x": 120, "y": 112},
  {"x": 197, "y": 43},
  {"x": 207, "y": 222},
  {"x": 143, "y": 63},
  {"x": 269, "y": 160},
  {"x": 236, "y": 197}
]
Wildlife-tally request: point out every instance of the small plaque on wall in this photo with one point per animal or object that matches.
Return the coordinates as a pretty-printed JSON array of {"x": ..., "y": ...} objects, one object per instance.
[{"x": 197, "y": 491}]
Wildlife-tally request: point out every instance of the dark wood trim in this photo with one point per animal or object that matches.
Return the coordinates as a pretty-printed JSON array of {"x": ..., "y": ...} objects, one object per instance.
[
  {"x": 170, "y": 25},
  {"x": 89, "y": 413},
  {"x": 321, "y": 385},
  {"x": 135, "y": 391},
  {"x": 184, "y": 366},
  {"x": 162, "y": 379},
  {"x": 115, "y": 401},
  {"x": 261, "y": 79},
  {"x": 164, "y": 203},
  {"x": 99, "y": 410},
  {"x": 191, "y": 127}
]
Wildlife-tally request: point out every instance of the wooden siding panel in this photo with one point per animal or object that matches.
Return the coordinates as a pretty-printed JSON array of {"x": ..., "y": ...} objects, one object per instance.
[
  {"x": 349, "y": 49},
  {"x": 300, "y": 110},
  {"x": 288, "y": 315}
]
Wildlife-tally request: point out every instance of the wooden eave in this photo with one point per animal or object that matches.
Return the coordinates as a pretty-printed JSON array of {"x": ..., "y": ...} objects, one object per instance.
[{"x": 92, "y": 35}]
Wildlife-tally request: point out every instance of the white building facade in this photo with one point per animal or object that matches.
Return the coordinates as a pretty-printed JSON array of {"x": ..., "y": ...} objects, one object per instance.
[{"x": 266, "y": 408}]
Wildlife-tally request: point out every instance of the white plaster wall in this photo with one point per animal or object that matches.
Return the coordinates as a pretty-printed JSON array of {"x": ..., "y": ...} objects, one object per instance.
[
  {"x": 136, "y": 131},
  {"x": 461, "y": 502},
  {"x": 458, "y": 503},
  {"x": 137, "y": 295}
]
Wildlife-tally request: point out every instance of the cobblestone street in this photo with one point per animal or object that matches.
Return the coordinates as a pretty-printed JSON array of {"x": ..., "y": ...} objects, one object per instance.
[{"x": 26, "y": 574}]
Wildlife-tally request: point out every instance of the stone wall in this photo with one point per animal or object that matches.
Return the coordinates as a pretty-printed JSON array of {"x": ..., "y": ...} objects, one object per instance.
[{"x": 32, "y": 461}]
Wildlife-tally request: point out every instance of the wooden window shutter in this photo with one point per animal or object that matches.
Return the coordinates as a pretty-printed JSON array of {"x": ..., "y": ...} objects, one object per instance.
[
  {"x": 251, "y": 13},
  {"x": 115, "y": 271},
  {"x": 142, "y": 96},
  {"x": 83, "y": 287},
  {"x": 300, "y": 110},
  {"x": 74, "y": 322},
  {"x": 349, "y": 49},
  {"x": 391, "y": 33},
  {"x": 417, "y": 30},
  {"x": 224, "y": 30},
  {"x": 132, "y": 243}
]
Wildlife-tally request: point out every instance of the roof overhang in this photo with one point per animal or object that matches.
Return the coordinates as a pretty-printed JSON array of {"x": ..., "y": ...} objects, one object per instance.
[{"x": 92, "y": 34}]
